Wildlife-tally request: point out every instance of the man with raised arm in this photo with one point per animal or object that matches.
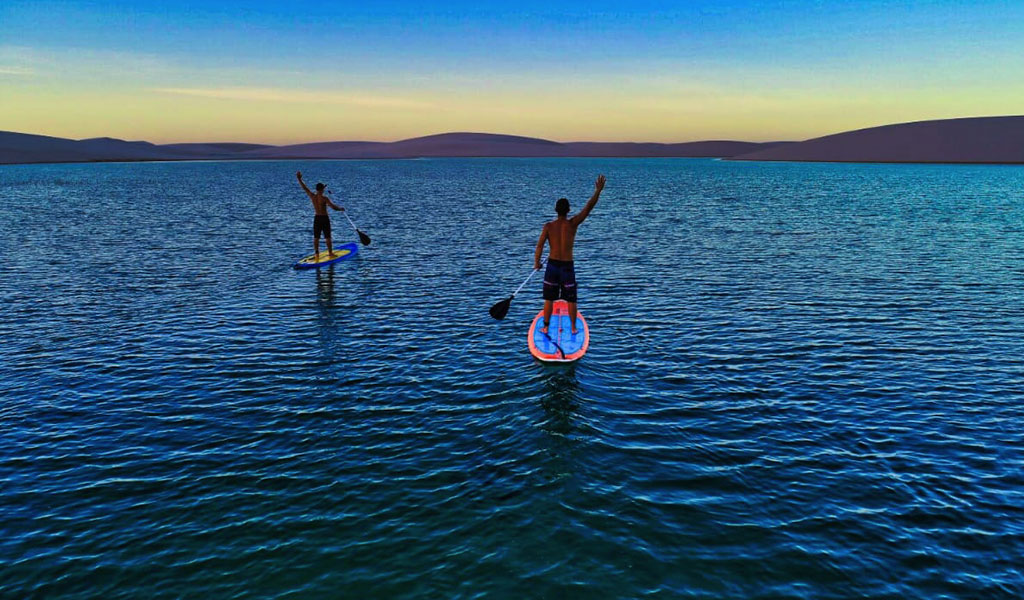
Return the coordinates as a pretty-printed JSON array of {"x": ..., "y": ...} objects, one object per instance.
[
  {"x": 560, "y": 277},
  {"x": 321, "y": 222}
]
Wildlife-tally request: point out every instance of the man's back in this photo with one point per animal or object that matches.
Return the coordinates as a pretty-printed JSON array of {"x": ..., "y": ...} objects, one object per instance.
[
  {"x": 561, "y": 237},
  {"x": 319, "y": 203}
]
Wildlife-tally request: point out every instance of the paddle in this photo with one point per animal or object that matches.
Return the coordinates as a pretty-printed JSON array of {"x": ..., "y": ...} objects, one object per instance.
[
  {"x": 365, "y": 239},
  {"x": 500, "y": 309}
]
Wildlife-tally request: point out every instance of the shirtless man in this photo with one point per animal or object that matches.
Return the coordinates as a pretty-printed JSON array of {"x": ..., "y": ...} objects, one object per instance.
[
  {"x": 321, "y": 222},
  {"x": 560, "y": 277}
]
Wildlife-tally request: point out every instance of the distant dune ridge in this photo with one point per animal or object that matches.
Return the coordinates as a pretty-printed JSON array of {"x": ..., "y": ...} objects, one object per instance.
[
  {"x": 968, "y": 140},
  {"x": 26, "y": 148}
]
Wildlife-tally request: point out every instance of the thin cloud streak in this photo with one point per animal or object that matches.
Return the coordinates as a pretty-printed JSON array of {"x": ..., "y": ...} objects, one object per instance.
[
  {"x": 18, "y": 71},
  {"x": 297, "y": 97}
]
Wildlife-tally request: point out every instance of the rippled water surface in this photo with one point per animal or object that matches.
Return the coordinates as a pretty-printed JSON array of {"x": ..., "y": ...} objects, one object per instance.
[{"x": 804, "y": 381}]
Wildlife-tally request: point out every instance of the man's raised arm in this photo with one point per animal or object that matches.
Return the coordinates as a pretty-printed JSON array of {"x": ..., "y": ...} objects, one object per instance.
[
  {"x": 582, "y": 215},
  {"x": 298, "y": 176}
]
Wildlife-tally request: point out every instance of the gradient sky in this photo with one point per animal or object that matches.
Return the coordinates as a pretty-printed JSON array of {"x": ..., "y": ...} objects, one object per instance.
[{"x": 283, "y": 72}]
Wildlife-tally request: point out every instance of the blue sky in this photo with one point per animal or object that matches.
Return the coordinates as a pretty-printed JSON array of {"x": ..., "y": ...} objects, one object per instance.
[{"x": 658, "y": 71}]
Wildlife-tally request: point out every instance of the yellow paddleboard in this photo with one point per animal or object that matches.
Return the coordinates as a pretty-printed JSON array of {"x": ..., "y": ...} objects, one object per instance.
[{"x": 340, "y": 253}]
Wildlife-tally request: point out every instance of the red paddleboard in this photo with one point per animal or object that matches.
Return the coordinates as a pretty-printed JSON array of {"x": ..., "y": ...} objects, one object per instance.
[{"x": 559, "y": 344}]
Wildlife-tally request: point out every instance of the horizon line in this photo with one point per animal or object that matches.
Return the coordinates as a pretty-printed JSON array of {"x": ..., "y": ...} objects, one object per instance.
[
  {"x": 399, "y": 140},
  {"x": 513, "y": 135}
]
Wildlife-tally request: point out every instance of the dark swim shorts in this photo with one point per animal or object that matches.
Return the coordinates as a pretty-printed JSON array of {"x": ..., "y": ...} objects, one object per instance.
[
  {"x": 321, "y": 224},
  {"x": 560, "y": 281}
]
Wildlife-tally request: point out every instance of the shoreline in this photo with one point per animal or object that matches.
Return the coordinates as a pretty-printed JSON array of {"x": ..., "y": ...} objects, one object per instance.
[
  {"x": 961, "y": 141},
  {"x": 322, "y": 158},
  {"x": 619, "y": 157}
]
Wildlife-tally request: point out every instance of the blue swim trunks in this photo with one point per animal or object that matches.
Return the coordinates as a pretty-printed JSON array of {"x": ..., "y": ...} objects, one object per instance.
[{"x": 560, "y": 280}]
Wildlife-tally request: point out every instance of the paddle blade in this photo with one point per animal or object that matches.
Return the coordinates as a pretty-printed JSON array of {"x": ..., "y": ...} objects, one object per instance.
[
  {"x": 365, "y": 239},
  {"x": 499, "y": 310}
]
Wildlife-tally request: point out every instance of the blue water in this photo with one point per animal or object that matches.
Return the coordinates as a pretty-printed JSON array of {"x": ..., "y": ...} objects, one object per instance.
[{"x": 804, "y": 381}]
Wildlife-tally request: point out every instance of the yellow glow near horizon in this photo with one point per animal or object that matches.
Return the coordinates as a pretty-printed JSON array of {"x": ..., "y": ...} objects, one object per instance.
[{"x": 656, "y": 107}]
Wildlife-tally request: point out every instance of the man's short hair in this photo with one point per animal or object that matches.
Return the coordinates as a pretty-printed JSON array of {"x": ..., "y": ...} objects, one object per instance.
[
  {"x": 562, "y": 206},
  {"x": 320, "y": 187}
]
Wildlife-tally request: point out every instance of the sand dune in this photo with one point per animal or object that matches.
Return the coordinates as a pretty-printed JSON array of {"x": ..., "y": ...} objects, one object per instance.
[
  {"x": 495, "y": 145},
  {"x": 26, "y": 148},
  {"x": 713, "y": 148},
  {"x": 970, "y": 140},
  {"x": 212, "y": 150}
]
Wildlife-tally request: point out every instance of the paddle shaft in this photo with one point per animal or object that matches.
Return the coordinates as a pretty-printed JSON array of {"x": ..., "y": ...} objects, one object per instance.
[
  {"x": 350, "y": 221},
  {"x": 523, "y": 284}
]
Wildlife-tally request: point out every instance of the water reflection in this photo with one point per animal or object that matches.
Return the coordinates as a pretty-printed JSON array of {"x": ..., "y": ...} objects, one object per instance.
[
  {"x": 561, "y": 404},
  {"x": 326, "y": 305},
  {"x": 325, "y": 288},
  {"x": 561, "y": 398}
]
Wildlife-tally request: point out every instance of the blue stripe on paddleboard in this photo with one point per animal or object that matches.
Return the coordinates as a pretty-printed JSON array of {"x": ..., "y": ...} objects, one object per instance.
[
  {"x": 570, "y": 343},
  {"x": 543, "y": 342}
]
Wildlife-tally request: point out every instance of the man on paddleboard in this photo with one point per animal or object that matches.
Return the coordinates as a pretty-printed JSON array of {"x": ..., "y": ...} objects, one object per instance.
[
  {"x": 321, "y": 221},
  {"x": 560, "y": 277}
]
